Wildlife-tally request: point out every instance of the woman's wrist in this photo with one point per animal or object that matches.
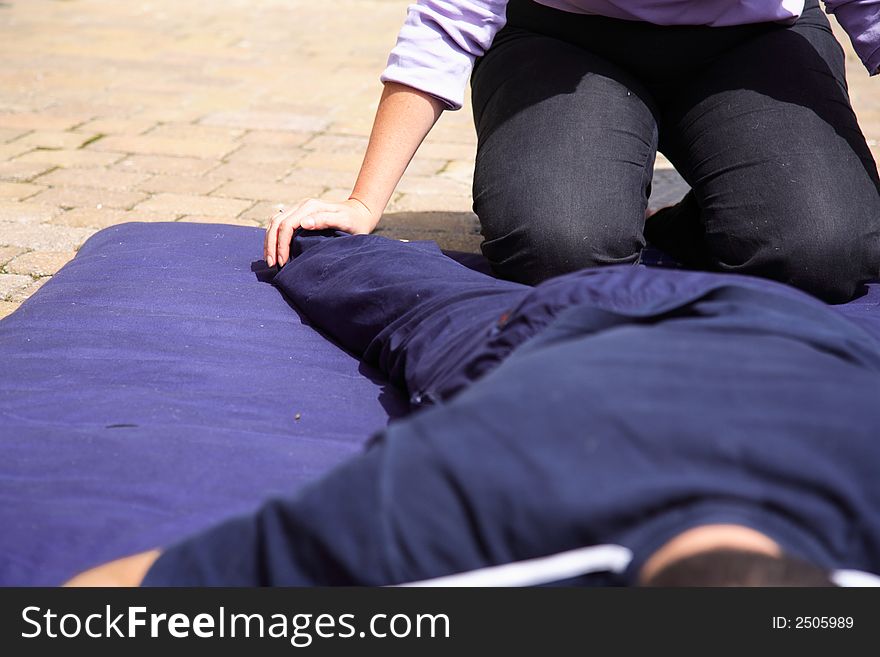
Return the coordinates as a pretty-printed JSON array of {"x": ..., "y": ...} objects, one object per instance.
[
  {"x": 362, "y": 204},
  {"x": 370, "y": 215}
]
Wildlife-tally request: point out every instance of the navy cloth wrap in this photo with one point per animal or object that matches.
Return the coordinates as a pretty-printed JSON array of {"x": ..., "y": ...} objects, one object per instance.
[{"x": 620, "y": 405}]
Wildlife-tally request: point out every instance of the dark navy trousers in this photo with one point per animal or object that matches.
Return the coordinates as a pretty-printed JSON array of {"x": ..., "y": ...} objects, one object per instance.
[{"x": 570, "y": 110}]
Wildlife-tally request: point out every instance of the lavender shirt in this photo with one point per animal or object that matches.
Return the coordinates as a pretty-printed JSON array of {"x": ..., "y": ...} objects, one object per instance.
[{"x": 440, "y": 39}]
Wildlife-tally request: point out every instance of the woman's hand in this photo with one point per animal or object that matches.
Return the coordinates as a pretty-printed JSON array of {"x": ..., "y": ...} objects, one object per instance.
[
  {"x": 129, "y": 571},
  {"x": 350, "y": 216}
]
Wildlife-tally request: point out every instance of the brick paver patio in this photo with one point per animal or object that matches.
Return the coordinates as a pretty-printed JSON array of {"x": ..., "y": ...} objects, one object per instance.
[{"x": 161, "y": 110}]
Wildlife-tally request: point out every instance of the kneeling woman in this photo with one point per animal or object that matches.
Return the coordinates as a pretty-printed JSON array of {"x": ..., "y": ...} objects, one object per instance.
[{"x": 573, "y": 98}]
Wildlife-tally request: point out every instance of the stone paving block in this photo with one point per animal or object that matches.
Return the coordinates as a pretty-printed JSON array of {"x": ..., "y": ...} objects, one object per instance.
[
  {"x": 7, "y": 253},
  {"x": 206, "y": 219},
  {"x": 336, "y": 194},
  {"x": 166, "y": 113},
  {"x": 181, "y": 184},
  {"x": 40, "y": 263},
  {"x": 43, "y": 237},
  {"x": 17, "y": 171},
  {"x": 252, "y": 171},
  {"x": 436, "y": 185},
  {"x": 100, "y": 178},
  {"x": 164, "y": 164},
  {"x": 89, "y": 217},
  {"x": 94, "y": 218},
  {"x": 38, "y": 121},
  {"x": 7, "y": 308},
  {"x": 56, "y": 140},
  {"x": 181, "y": 204},
  {"x": 11, "y": 283},
  {"x": 13, "y": 149},
  {"x": 85, "y": 197},
  {"x": 452, "y": 241},
  {"x": 64, "y": 158},
  {"x": 321, "y": 177},
  {"x": 426, "y": 166},
  {"x": 29, "y": 213},
  {"x": 23, "y": 294},
  {"x": 447, "y": 150},
  {"x": 347, "y": 162},
  {"x": 8, "y": 134},
  {"x": 668, "y": 188},
  {"x": 273, "y": 192},
  {"x": 359, "y": 125},
  {"x": 455, "y": 127},
  {"x": 661, "y": 163},
  {"x": 464, "y": 223},
  {"x": 148, "y": 145},
  {"x": 18, "y": 191},
  {"x": 261, "y": 213},
  {"x": 142, "y": 216},
  {"x": 276, "y": 138},
  {"x": 261, "y": 120},
  {"x": 195, "y": 131},
  {"x": 256, "y": 154},
  {"x": 337, "y": 144},
  {"x": 460, "y": 170},
  {"x": 117, "y": 126},
  {"x": 431, "y": 202}
]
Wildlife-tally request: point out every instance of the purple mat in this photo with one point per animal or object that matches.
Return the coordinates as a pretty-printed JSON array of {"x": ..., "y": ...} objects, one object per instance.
[{"x": 152, "y": 388}]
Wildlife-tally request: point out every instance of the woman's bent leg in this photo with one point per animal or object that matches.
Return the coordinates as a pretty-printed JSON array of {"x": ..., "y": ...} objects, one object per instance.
[
  {"x": 566, "y": 146},
  {"x": 785, "y": 183}
]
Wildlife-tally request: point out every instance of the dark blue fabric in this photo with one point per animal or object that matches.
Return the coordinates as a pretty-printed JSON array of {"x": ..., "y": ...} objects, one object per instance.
[
  {"x": 150, "y": 389},
  {"x": 618, "y": 405},
  {"x": 424, "y": 307}
]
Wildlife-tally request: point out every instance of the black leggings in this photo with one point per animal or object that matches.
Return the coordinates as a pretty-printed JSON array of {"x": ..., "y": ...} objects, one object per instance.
[{"x": 571, "y": 109}]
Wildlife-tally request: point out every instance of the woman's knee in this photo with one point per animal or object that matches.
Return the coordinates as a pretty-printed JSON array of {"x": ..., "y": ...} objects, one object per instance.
[
  {"x": 532, "y": 247},
  {"x": 832, "y": 266},
  {"x": 835, "y": 269}
]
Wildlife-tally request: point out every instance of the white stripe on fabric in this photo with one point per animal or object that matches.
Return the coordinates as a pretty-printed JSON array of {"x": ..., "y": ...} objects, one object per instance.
[
  {"x": 542, "y": 570},
  {"x": 855, "y": 578}
]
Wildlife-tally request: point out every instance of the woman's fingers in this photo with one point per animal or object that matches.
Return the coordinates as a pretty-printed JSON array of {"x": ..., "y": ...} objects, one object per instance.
[
  {"x": 316, "y": 219},
  {"x": 311, "y": 214},
  {"x": 285, "y": 234},
  {"x": 271, "y": 238},
  {"x": 327, "y": 218},
  {"x": 267, "y": 238},
  {"x": 270, "y": 244},
  {"x": 286, "y": 226}
]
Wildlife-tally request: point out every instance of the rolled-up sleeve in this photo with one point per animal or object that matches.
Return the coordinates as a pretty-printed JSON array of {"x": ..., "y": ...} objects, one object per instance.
[
  {"x": 861, "y": 20},
  {"x": 439, "y": 42}
]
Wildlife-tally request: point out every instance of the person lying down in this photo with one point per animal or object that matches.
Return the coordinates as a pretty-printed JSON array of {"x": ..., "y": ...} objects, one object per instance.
[{"x": 651, "y": 426}]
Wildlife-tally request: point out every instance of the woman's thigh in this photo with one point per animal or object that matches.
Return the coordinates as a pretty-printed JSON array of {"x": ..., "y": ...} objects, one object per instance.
[
  {"x": 785, "y": 183},
  {"x": 566, "y": 147}
]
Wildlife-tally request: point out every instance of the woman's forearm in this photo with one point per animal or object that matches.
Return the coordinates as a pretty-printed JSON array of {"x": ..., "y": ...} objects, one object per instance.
[
  {"x": 405, "y": 115},
  {"x": 403, "y": 119}
]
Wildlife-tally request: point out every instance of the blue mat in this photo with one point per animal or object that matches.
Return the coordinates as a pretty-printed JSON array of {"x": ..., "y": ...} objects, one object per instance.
[{"x": 155, "y": 386}]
